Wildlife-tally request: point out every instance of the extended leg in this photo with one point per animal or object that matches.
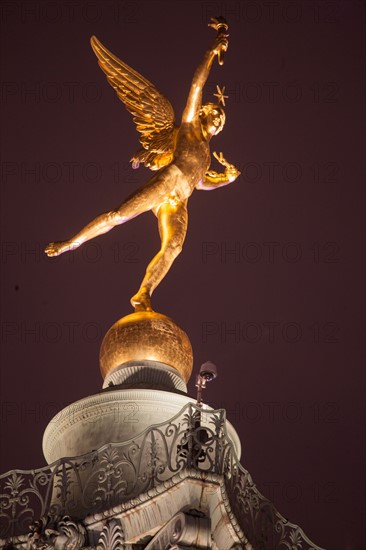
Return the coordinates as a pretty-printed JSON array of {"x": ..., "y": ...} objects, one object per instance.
[
  {"x": 146, "y": 198},
  {"x": 173, "y": 221}
]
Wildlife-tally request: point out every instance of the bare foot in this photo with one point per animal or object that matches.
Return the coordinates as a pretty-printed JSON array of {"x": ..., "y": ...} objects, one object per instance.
[
  {"x": 57, "y": 248},
  {"x": 141, "y": 301}
]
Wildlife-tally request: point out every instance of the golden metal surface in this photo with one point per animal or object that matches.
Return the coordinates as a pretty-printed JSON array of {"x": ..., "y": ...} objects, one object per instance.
[
  {"x": 181, "y": 156},
  {"x": 146, "y": 336}
]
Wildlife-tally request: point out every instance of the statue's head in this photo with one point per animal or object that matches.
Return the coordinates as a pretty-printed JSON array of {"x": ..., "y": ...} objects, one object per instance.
[{"x": 212, "y": 118}]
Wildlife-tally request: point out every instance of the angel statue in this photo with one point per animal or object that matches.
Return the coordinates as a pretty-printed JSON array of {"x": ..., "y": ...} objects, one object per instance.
[{"x": 180, "y": 156}]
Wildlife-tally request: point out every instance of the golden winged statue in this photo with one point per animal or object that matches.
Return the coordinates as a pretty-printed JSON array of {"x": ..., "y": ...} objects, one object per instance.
[{"x": 179, "y": 155}]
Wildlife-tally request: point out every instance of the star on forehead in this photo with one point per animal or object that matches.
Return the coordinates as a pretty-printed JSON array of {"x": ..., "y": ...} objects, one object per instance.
[{"x": 220, "y": 95}]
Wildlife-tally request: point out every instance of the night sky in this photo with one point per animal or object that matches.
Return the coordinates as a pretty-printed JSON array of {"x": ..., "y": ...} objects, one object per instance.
[{"x": 269, "y": 285}]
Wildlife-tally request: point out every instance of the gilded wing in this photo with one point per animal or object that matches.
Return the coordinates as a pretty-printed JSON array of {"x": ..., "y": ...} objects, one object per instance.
[{"x": 152, "y": 112}]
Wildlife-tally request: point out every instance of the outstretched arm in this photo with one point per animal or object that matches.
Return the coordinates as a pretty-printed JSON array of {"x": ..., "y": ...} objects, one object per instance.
[
  {"x": 219, "y": 46},
  {"x": 213, "y": 179}
]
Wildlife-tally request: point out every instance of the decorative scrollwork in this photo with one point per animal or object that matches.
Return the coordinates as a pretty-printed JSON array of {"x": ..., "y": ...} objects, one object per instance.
[
  {"x": 111, "y": 537},
  {"x": 194, "y": 439},
  {"x": 263, "y": 525},
  {"x": 183, "y": 529},
  {"x": 59, "y": 534}
]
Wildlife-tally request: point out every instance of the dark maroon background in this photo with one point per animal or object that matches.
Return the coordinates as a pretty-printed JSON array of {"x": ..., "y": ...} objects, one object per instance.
[{"x": 282, "y": 321}]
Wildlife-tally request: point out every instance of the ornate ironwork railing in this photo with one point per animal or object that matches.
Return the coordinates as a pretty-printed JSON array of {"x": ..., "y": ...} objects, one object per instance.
[
  {"x": 261, "y": 522},
  {"x": 115, "y": 473}
]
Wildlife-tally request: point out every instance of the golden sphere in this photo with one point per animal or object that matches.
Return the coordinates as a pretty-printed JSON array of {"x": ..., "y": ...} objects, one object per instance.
[{"x": 146, "y": 336}]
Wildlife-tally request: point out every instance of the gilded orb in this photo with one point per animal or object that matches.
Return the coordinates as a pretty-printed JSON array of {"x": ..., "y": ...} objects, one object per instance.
[{"x": 147, "y": 337}]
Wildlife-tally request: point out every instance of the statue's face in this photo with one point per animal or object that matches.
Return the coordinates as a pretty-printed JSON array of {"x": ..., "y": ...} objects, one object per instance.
[{"x": 212, "y": 121}]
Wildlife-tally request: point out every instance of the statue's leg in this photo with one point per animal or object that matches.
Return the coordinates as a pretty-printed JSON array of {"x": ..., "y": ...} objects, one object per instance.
[
  {"x": 146, "y": 198},
  {"x": 173, "y": 221}
]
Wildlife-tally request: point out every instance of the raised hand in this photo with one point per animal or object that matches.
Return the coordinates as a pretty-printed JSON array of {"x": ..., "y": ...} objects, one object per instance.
[
  {"x": 220, "y": 46},
  {"x": 218, "y": 23},
  {"x": 221, "y": 43},
  {"x": 231, "y": 172}
]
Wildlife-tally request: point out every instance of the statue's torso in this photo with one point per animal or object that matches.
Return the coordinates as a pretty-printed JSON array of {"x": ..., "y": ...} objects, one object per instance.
[{"x": 191, "y": 157}]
